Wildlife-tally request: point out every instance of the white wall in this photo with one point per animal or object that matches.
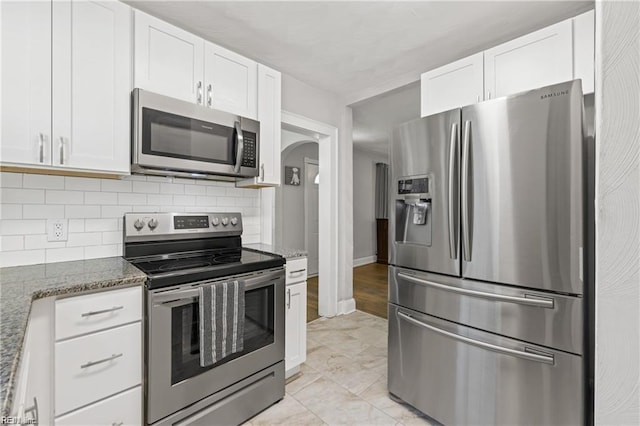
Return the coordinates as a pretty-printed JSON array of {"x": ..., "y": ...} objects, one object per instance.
[
  {"x": 329, "y": 108},
  {"x": 94, "y": 209},
  {"x": 364, "y": 218},
  {"x": 617, "y": 372},
  {"x": 291, "y": 198}
]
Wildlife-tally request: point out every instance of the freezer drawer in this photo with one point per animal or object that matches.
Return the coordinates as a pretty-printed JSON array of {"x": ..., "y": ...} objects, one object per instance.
[
  {"x": 546, "y": 319},
  {"x": 459, "y": 375}
]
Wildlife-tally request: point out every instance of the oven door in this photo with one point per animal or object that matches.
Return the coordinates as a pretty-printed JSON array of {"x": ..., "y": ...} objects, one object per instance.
[
  {"x": 170, "y": 134},
  {"x": 175, "y": 378}
]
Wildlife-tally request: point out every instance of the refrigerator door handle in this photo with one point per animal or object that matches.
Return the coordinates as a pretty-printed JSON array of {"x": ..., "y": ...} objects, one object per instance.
[
  {"x": 529, "y": 354},
  {"x": 527, "y": 299},
  {"x": 466, "y": 246},
  {"x": 453, "y": 151}
]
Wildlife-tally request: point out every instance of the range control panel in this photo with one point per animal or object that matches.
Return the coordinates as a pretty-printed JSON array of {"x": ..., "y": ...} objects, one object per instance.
[{"x": 174, "y": 224}]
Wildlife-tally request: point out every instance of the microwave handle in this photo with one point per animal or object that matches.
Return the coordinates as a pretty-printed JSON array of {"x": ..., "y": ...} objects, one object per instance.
[{"x": 239, "y": 147}]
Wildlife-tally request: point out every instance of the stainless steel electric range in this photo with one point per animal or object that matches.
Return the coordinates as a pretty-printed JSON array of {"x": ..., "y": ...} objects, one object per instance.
[{"x": 180, "y": 252}]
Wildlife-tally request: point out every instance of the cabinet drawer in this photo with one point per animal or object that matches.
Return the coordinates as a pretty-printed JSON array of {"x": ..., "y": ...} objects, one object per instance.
[
  {"x": 296, "y": 270},
  {"x": 123, "y": 409},
  {"x": 94, "y": 312},
  {"x": 93, "y": 367}
]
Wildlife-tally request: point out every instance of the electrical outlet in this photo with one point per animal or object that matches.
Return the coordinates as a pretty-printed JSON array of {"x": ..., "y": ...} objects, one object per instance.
[{"x": 57, "y": 229}]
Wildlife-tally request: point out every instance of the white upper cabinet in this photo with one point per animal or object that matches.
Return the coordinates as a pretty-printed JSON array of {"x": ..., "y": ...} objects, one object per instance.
[
  {"x": 168, "y": 60},
  {"x": 230, "y": 81},
  {"x": 535, "y": 60},
  {"x": 26, "y": 82},
  {"x": 583, "y": 48},
  {"x": 91, "y": 85},
  {"x": 451, "y": 86},
  {"x": 270, "y": 116}
]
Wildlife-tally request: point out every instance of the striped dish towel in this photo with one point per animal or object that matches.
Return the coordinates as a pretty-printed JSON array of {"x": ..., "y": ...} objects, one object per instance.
[{"x": 221, "y": 321}]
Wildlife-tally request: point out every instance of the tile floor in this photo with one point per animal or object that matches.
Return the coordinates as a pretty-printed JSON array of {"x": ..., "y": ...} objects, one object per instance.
[{"x": 344, "y": 380}]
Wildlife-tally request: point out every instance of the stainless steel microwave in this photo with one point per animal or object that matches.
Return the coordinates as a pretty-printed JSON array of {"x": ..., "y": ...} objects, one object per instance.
[{"x": 178, "y": 138}]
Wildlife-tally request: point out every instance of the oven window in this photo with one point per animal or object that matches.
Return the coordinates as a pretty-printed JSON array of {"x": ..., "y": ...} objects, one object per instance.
[
  {"x": 175, "y": 136},
  {"x": 185, "y": 333}
]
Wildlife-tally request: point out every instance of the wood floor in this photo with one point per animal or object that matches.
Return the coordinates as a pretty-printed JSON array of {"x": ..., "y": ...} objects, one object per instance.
[{"x": 370, "y": 290}]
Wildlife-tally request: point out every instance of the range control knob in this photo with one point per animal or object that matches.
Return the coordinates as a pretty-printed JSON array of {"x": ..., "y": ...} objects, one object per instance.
[
  {"x": 215, "y": 221},
  {"x": 225, "y": 221},
  {"x": 138, "y": 224},
  {"x": 234, "y": 221},
  {"x": 153, "y": 224}
]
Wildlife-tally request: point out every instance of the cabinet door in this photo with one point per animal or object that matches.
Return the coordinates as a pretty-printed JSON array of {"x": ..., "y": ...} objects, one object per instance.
[
  {"x": 452, "y": 86},
  {"x": 583, "y": 50},
  {"x": 269, "y": 114},
  {"x": 91, "y": 85},
  {"x": 535, "y": 60},
  {"x": 26, "y": 82},
  {"x": 168, "y": 60},
  {"x": 296, "y": 326},
  {"x": 231, "y": 81}
]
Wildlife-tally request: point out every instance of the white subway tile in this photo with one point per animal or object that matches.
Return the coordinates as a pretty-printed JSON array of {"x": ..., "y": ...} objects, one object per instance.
[
  {"x": 216, "y": 191},
  {"x": 146, "y": 187},
  {"x": 110, "y": 224},
  {"x": 112, "y": 237},
  {"x": 40, "y": 241},
  {"x": 250, "y": 238},
  {"x": 82, "y": 212},
  {"x": 114, "y": 185},
  {"x": 11, "y": 242},
  {"x": 138, "y": 178},
  {"x": 10, "y": 180},
  {"x": 22, "y": 196},
  {"x": 132, "y": 199},
  {"x": 184, "y": 180},
  {"x": 226, "y": 201},
  {"x": 22, "y": 257},
  {"x": 171, "y": 209},
  {"x": 160, "y": 199},
  {"x": 165, "y": 179},
  {"x": 11, "y": 211},
  {"x": 65, "y": 197},
  {"x": 42, "y": 211},
  {"x": 76, "y": 225},
  {"x": 115, "y": 211},
  {"x": 22, "y": 227},
  {"x": 95, "y": 252},
  {"x": 171, "y": 188},
  {"x": 64, "y": 254},
  {"x": 206, "y": 201},
  {"x": 184, "y": 200},
  {"x": 195, "y": 190},
  {"x": 83, "y": 239},
  {"x": 42, "y": 181},
  {"x": 81, "y": 184},
  {"x": 101, "y": 198},
  {"x": 147, "y": 209},
  {"x": 206, "y": 182}
]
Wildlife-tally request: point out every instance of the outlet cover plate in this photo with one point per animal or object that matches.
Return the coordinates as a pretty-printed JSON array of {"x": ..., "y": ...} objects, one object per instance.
[{"x": 57, "y": 229}]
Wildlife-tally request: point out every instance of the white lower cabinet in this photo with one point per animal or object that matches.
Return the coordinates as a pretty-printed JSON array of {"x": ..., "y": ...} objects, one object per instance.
[
  {"x": 124, "y": 409},
  {"x": 296, "y": 315}
]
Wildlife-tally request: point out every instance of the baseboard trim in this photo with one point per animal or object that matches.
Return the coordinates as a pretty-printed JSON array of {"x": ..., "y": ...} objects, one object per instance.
[
  {"x": 364, "y": 261},
  {"x": 346, "y": 306}
]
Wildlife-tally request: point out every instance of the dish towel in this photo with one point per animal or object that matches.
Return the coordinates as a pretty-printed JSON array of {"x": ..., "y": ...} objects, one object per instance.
[{"x": 221, "y": 321}]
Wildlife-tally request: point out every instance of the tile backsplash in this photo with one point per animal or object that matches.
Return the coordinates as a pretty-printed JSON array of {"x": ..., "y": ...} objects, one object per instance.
[{"x": 94, "y": 209}]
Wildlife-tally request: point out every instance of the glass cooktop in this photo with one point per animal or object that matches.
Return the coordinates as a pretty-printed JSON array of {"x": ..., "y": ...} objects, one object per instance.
[{"x": 169, "y": 269}]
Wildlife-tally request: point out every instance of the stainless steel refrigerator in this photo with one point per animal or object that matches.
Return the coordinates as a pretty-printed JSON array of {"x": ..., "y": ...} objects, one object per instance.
[{"x": 486, "y": 239}]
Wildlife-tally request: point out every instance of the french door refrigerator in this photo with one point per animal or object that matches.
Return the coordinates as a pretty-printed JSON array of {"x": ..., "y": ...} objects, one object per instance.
[{"x": 486, "y": 245}]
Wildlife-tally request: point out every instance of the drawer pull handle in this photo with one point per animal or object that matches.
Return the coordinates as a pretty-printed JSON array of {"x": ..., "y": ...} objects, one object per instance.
[
  {"x": 117, "y": 423},
  {"x": 104, "y": 311},
  {"x": 299, "y": 271},
  {"x": 100, "y": 361}
]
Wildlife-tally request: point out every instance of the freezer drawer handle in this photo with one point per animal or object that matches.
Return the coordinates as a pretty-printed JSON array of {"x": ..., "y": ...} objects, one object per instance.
[
  {"x": 528, "y": 299},
  {"x": 529, "y": 354}
]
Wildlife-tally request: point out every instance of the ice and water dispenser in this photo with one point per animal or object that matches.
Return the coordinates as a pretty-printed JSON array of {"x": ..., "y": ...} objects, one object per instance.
[{"x": 413, "y": 211}]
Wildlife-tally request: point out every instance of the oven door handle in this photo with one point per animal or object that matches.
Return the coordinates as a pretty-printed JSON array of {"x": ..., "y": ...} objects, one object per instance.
[{"x": 252, "y": 283}]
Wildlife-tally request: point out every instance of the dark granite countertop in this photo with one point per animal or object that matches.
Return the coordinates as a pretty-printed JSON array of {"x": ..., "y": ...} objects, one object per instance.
[
  {"x": 20, "y": 285},
  {"x": 287, "y": 253}
]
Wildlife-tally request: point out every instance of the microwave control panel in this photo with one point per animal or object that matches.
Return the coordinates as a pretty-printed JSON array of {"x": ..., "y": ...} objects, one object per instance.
[{"x": 249, "y": 155}]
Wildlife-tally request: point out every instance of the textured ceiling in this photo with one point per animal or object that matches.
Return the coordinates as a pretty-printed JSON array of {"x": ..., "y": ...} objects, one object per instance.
[{"x": 357, "y": 49}]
